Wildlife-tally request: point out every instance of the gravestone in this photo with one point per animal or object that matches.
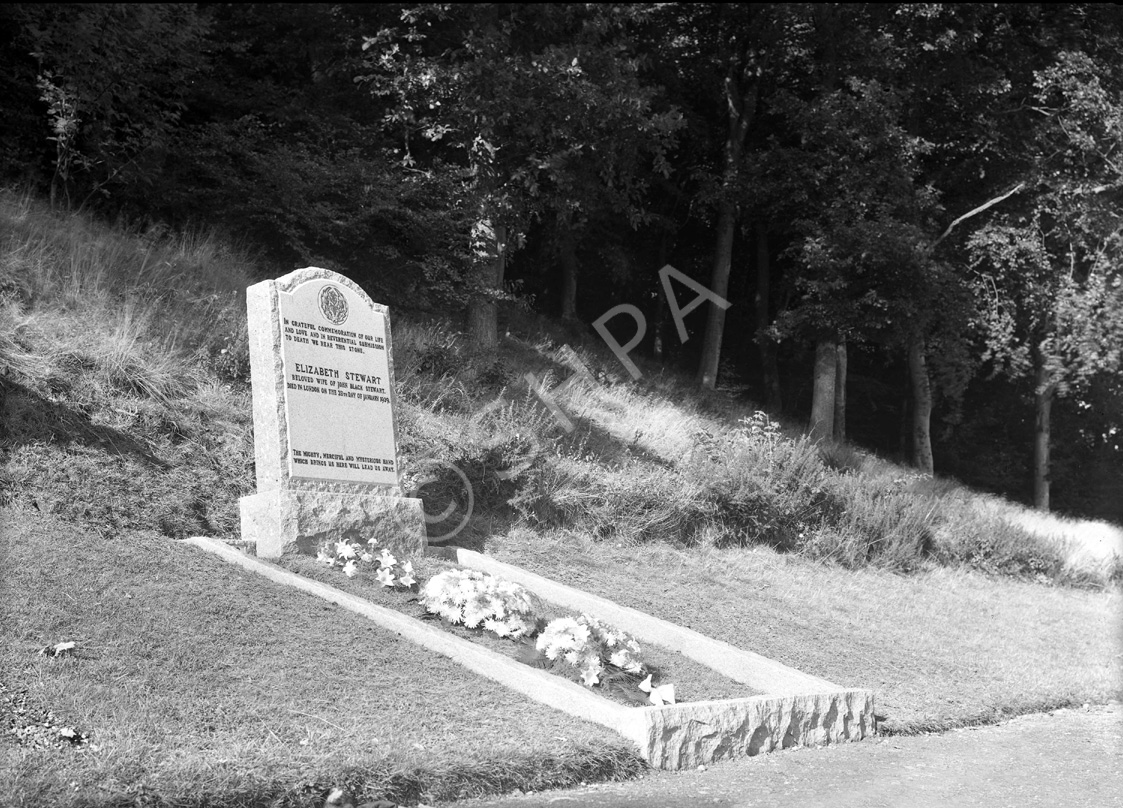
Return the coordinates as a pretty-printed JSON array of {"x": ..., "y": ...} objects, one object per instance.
[{"x": 325, "y": 439}]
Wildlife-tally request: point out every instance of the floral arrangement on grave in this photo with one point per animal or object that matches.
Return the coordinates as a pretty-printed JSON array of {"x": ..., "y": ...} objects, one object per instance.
[
  {"x": 583, "y": 649},
  {"x": 478, "y": 600},
  {"x": 590, "y": 651},
  {"x": 354, "y": 558}
]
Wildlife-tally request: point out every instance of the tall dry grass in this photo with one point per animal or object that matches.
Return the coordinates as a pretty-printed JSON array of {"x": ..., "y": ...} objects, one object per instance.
[
  {"x": 123, "y": 355},
  {"x": 145, "y": 332},
  {"x": 656, "y": 462},
  {"x": 137, "y": 306}
]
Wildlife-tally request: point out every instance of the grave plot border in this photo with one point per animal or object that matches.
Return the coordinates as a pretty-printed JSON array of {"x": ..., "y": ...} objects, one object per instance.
[{"x": 796, "y": 709}]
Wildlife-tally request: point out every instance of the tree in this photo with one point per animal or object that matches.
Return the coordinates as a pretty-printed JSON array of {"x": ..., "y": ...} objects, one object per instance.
[
  {"x": 859, "y": 223},
  {"x": 743, "y": 55},
  {"x": 1050, "y": 270},
  {"x": 542, "y": 109},
  {"x": 112, "y": 78}
]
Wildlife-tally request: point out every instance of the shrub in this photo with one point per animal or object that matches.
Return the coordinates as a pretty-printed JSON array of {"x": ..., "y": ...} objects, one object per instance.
[
  {"x": 885, "y": 527},
  {"x": 761, "y": 487}
]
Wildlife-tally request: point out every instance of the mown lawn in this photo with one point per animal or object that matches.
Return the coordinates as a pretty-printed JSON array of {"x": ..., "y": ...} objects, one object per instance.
[
  {"x": 941, "y": 648},
  {"x": 197, "y": 681}
]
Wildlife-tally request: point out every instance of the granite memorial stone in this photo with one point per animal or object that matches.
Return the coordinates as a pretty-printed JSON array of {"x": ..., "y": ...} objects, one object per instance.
[{"x": 325, "y": 439}]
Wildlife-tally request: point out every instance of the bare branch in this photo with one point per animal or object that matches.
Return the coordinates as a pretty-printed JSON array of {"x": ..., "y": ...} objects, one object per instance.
[{"x": 989, "y": 204}]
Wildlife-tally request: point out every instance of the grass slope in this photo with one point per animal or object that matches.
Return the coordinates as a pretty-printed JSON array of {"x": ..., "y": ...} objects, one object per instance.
[
  {"x": 125, "y": 421},
  {"x": 202, "y": 684}
]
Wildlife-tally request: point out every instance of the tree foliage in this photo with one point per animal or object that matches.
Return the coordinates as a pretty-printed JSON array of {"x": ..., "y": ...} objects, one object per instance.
[
  {"x": 113, "y": 79},
  {"x": 935, "y": 186},
  {"x": 537, "y": 111}
]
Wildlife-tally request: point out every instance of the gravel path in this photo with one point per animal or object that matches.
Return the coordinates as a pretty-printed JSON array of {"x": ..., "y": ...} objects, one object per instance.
[{"x": 1066, "y": 758}]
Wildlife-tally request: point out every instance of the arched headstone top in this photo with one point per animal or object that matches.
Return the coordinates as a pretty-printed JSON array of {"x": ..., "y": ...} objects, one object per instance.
[
  {"x": 321, "y": 364},
  {"x": 287, "y": 283}
]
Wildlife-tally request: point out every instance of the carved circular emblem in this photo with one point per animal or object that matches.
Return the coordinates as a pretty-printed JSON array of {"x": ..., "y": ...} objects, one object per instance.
[{"x": 333, "y": 304}]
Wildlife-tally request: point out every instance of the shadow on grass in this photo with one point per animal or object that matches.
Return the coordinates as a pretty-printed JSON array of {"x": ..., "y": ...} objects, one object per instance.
[
  {"x": 27, "y": 417},
  {"x": 588, "y": 437},
  {"x": 57, "y": 460}
]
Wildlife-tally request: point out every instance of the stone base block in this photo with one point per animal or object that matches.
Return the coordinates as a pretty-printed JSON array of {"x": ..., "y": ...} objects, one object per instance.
[
  {"x": 682, "y": 736},
  {"x": 286, "y": 520}
]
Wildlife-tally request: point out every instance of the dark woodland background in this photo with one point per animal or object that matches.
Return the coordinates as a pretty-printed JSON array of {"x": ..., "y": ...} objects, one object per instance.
[{"x": 914, "y": 209}]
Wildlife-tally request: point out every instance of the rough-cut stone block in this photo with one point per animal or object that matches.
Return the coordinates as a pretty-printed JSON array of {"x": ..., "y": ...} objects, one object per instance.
[
  {"x": 686, "y": 735},
  {"x": 281, "y": 521}
]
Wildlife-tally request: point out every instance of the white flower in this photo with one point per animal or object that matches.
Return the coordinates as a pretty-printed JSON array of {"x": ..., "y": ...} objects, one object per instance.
[
  {"x": 521, "y": 626},
  {"x": 386, "y": 559},
  {"x": 344, "y": 550},
  {"x": 324, "y": 557},
  {"x": 664, "y": 694},
  {"x": 474, "y": 615},
  {"x": 477, "y": 599},
  {"x": 407, "y": 579},
  {"x": 385, "y": 577},
  {"x": 350, "y": 569},
  {"x": 366, "y": 558},
  {"x": 496, "y": 627},
  {"x": 452, "y": 614}
]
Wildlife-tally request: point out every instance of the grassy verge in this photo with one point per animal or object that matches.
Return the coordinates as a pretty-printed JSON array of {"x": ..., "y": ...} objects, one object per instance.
[
  {"x": 941, "y": 649},
  {"x": 693, "y": 681},
  {"x": 200, "y": 684}
]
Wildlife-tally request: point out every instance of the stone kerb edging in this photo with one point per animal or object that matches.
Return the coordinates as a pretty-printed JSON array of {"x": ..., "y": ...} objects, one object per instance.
[
  {"x": 756, "y": 671},
  {"x": 669, "y": 737}
]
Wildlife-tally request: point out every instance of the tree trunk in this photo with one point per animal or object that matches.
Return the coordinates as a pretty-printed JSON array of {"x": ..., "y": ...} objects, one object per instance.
[
  {"x": 567, "y": 255},
  {"x": 904, "y": 445},
  {"x": 482, "y": 308},
  {"x": 742, "y": 109},
  {"x": 660, "y": 318},
  {"x": 767, "y": 347},
  {"x": 840, "y": 393},
  {"x": 482, "y": 323},
  {"x": 921, "y": 408},
  {"x": 822, "y": 395},
  {"x": 660, "y": 307},
  {"x": 719, "y": 285},
  {"x": 1043, "y": 406}
]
